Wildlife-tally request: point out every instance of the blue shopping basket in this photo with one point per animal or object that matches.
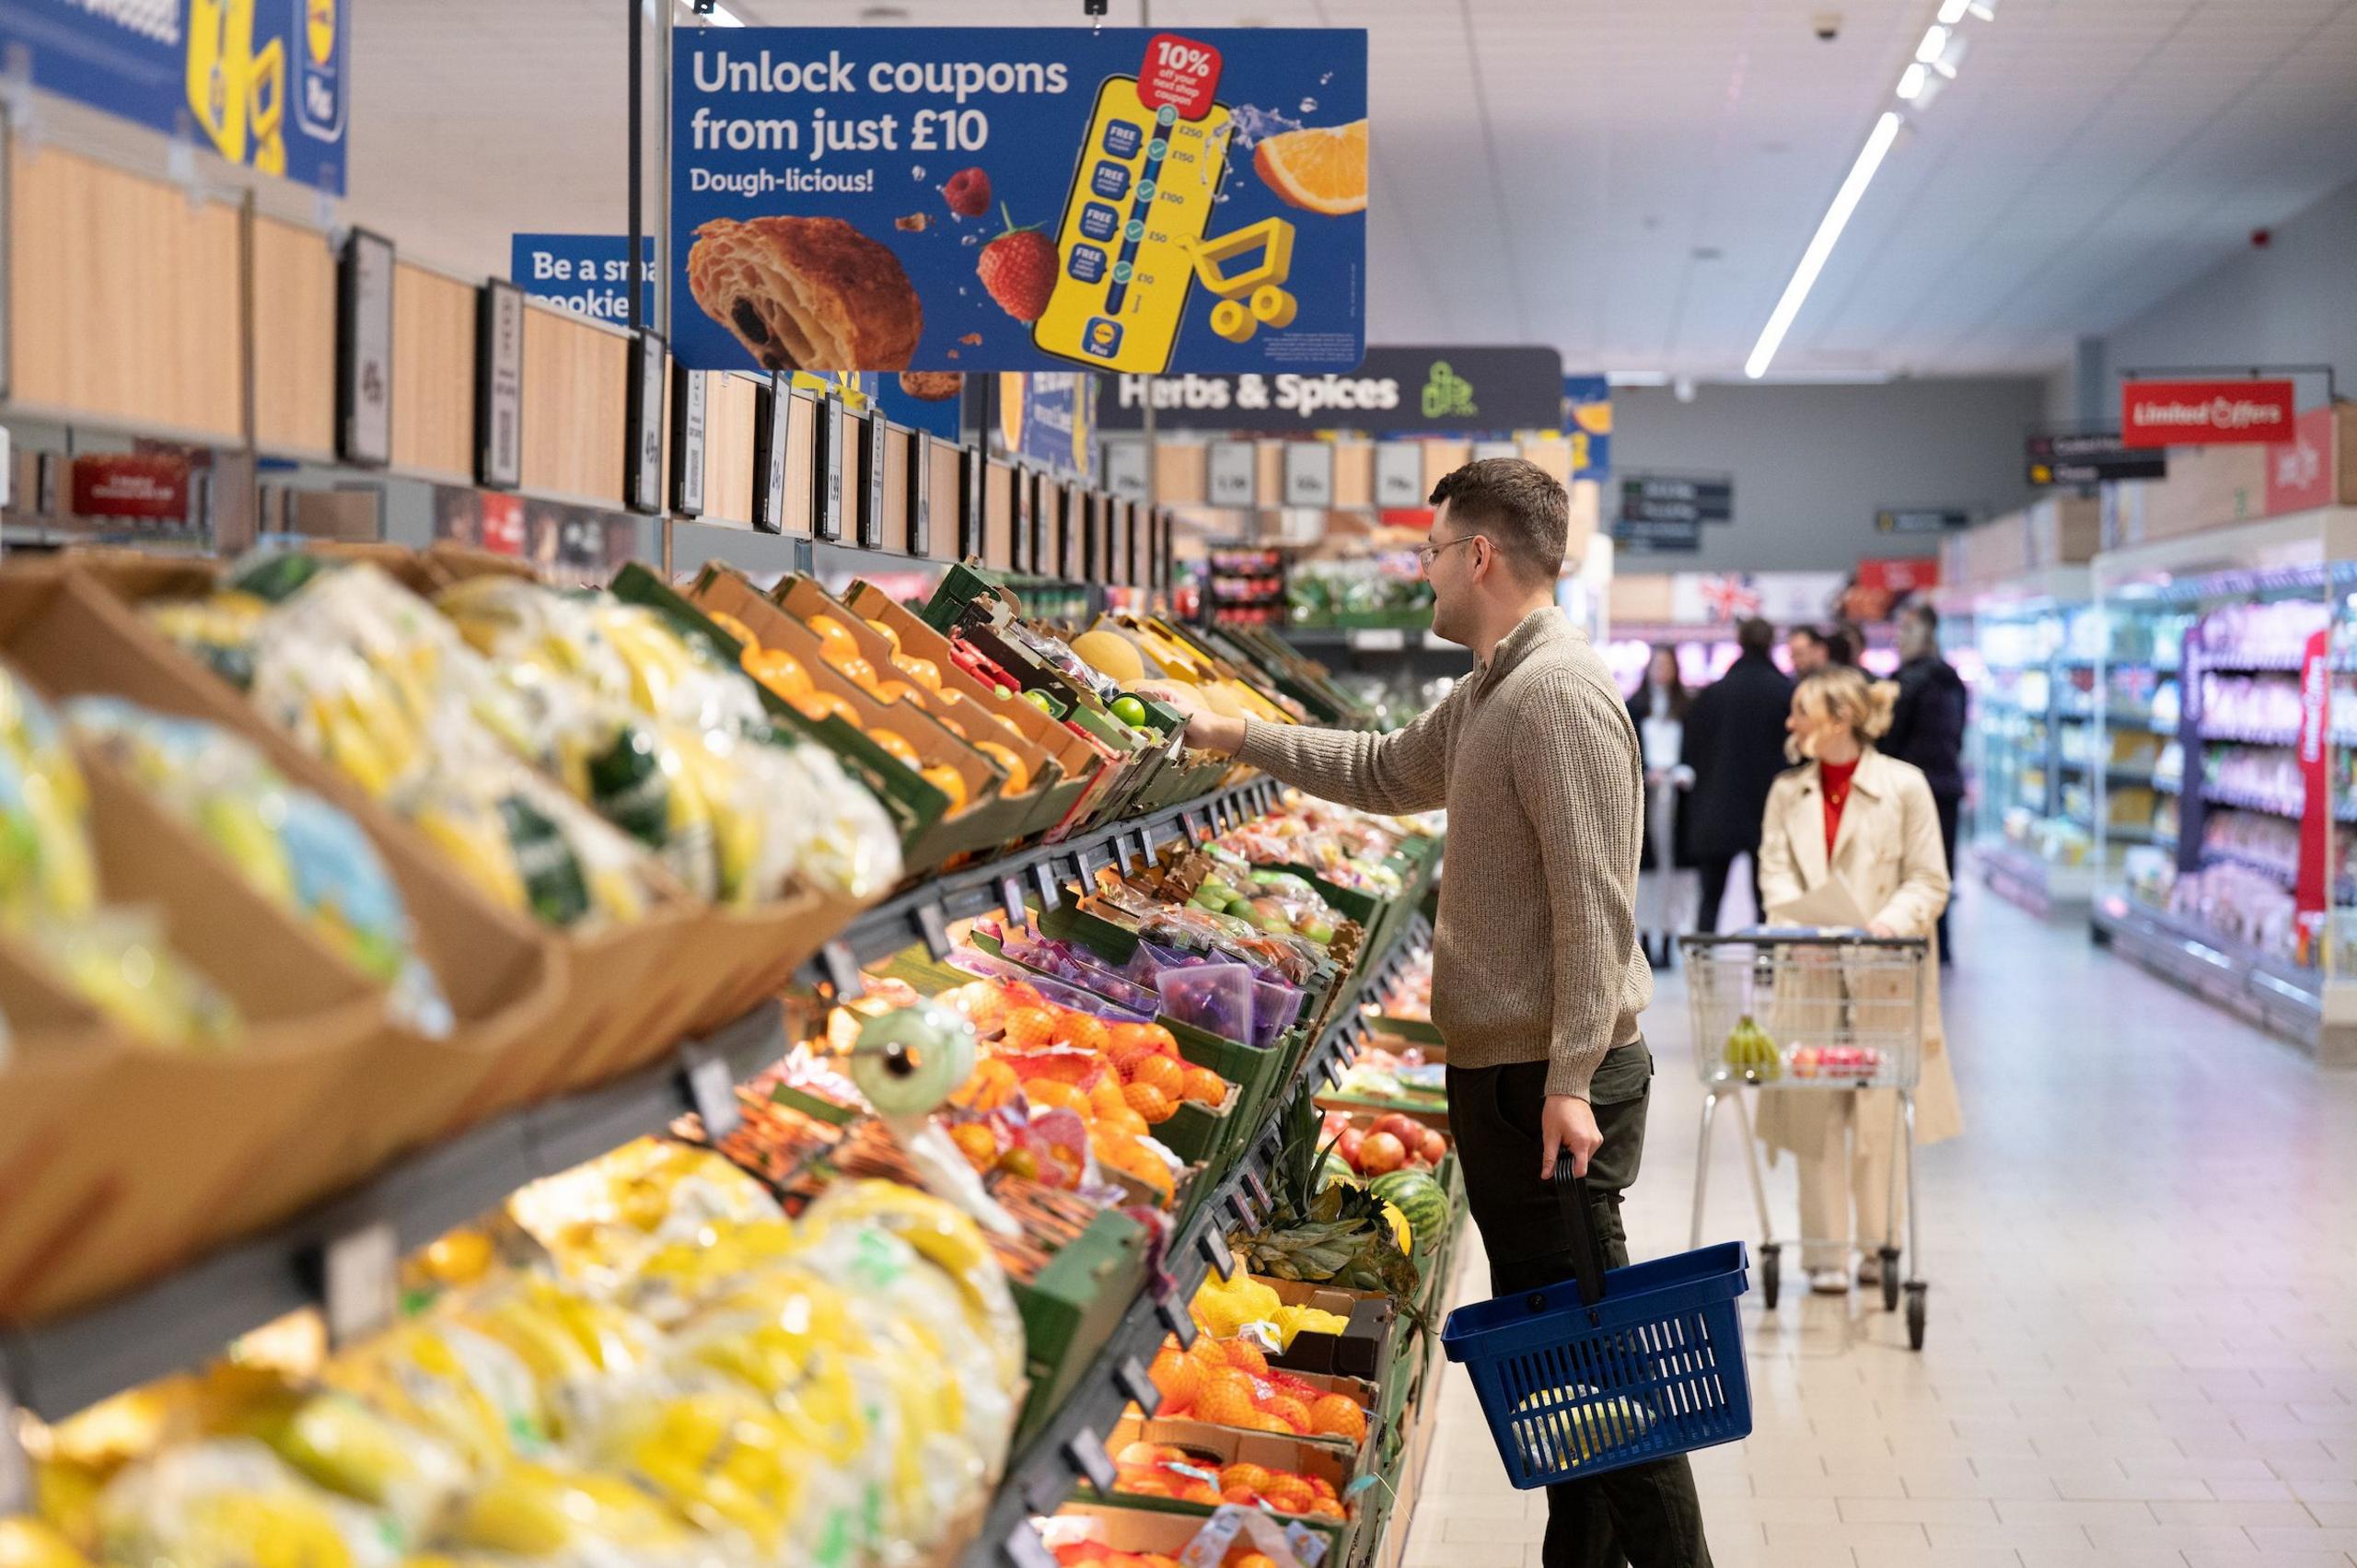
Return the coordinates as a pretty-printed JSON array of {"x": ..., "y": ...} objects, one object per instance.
[{"x": 1611, "y": 1368}]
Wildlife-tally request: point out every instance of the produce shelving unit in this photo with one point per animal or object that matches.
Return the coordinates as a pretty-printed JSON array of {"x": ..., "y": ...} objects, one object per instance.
[
  {"x": 1071, "y": 1447},
  {"x": 183, "y": 1320},
  {"x": 185, "y": 1317}
]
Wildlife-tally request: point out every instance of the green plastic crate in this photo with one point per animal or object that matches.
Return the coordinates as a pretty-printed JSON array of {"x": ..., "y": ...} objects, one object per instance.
[{"x": 1072, "y": 1309}]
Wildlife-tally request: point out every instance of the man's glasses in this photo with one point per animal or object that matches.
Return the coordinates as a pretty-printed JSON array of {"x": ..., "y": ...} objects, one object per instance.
[{"x": 1428, "y": 553}]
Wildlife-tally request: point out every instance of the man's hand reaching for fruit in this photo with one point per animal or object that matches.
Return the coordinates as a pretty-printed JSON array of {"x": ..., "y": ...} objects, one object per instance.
[{"x": 1206, "y": 730}]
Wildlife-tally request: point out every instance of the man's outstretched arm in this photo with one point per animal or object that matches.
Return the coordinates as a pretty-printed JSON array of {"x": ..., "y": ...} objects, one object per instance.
[{"x": 1405, "y": 771}]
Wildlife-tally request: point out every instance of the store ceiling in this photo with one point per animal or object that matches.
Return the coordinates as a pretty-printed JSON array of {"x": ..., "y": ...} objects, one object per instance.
[{"x": 1632, "y": 182}]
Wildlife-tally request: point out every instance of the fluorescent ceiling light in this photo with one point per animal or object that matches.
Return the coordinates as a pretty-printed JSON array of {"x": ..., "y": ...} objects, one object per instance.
[
  {"x": 1637, "y": 378},
  {"x": 1936, "y": 43},
  {"x": 1911, "y": 81},
  {"x": 1952, "y": 11},
  {"x": 1952, "y": 57},
  {"x": 1984, "y": 9},
  {"x": 1829, "y": 231}
]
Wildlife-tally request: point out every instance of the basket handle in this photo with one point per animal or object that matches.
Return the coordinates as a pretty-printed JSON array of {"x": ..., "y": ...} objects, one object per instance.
[{"x": 1587, "y": 1252}]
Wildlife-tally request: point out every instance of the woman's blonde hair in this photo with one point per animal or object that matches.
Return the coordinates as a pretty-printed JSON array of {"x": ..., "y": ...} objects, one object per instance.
[{"x": 1844, "y": 694}]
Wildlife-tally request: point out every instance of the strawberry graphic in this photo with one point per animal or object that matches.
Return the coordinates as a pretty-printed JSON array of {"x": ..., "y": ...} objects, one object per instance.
[
  {"x": 1019, "y": 269},
  {"x": 968, "y": 193}
]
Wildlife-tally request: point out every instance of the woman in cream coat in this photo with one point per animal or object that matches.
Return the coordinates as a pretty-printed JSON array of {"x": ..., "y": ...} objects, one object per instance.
[{"x": 1886, "y": 853}]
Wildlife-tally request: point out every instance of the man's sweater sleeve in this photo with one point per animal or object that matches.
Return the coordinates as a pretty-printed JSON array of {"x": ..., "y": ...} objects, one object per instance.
[
  {"x": 1404, "y": 772},
  {"x": 1578, "y": 779}
]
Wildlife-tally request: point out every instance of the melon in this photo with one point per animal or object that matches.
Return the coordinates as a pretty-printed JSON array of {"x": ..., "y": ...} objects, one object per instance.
[
  {"x": 1419, "y": 1198},
  {"x": 1111, "y": 654}
]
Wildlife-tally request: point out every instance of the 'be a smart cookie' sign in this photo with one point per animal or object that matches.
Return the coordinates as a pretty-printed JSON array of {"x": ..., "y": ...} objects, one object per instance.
[{"x": 951, "y": 199}]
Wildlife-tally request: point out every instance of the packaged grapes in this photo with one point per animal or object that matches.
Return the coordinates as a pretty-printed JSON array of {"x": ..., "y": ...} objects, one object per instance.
[{"x": 292, "y": 846}]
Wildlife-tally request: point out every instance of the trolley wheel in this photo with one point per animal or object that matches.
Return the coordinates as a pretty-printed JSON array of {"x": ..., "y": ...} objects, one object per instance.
[
  {"x": 1914, "y": 1317},
  {"x": 1890, "y": 1279},
  {"x": 1771, "y": 1275}
]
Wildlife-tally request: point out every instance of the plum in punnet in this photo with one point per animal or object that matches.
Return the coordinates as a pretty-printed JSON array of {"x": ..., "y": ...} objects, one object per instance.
[{"x": 1381, "y": 1153}]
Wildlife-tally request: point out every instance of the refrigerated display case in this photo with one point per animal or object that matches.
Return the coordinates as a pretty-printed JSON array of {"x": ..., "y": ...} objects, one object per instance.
[
  {"x": 2227, "y": 708},
  {"x": 2033, "y": 711}
]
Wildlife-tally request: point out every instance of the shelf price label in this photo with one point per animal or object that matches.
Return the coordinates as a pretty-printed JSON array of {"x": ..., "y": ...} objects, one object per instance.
[
  {"x": 1089, "y": 1460},
  {"x": 1131, "y": 1378},
  {"x": 712, "y": 1093},
  {"x": 359, "y": 1279}
]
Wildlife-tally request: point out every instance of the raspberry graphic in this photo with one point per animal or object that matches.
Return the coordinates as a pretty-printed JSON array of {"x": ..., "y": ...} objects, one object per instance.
[
  {"x": 1019, "y": 270},
  {"x": 968, "y": 193}
]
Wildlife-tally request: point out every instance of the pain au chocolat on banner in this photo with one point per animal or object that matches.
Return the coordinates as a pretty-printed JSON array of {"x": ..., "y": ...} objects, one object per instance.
[{"x": 806, "y": 293}]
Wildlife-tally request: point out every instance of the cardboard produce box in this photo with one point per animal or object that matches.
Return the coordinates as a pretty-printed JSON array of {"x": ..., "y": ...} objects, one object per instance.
[
  {"x": 123, "y": 1158},
  {"x": 1064, "y": 767},
  {"x": 72, "y": 635},
  {"x": 1215, "y": 1447},
  {"x": 991, "y": 817},
  {"x": 616, "y": 998},
  {"x": 1363, "y": 1350}
]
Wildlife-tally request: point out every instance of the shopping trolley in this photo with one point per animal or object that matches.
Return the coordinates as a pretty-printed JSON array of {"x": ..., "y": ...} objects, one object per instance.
[
  {"x": 1806, "y": 1010},
  {"x": 1611, "y": 1367}
]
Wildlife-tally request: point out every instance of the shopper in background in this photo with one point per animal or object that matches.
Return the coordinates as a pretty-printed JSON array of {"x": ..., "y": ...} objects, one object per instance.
[
  {"x": 1734, "y": 745},
  {"x": 1805, "y": 649},
  {"x": 1927, "y": 728},
  {"x": 1845, "y": 643},
  {"x": 1665, "y": 873},
  {"x": 1536, "y": 978},
  {"x": 1849, "y": 813}
]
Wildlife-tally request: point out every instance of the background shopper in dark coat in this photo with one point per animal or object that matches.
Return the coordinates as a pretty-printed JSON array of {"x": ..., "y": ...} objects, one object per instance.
[
  {"x": 1735, "y": 744},
  {"x": 1666, "y": 880},
  {"x": 1927, "y": 727}
]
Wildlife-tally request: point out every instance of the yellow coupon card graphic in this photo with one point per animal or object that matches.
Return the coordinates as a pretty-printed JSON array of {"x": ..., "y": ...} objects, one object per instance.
[{"x": 1142, "y": 195}]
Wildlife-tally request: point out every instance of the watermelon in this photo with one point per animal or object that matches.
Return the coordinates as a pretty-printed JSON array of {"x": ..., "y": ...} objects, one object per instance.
[{"x": 1420, "y": 1198}]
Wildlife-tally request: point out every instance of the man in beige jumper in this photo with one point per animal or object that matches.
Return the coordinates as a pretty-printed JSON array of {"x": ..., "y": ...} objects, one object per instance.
[{"x": 1537, "y": 976}]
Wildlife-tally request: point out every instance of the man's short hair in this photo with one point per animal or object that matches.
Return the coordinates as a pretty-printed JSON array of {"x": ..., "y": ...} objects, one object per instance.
[
  {"x": 1754, "y": 635},
  {"x": 1843, "y": 644},
  {"x": 1921, "y": 610},
  {"x": 1525, "y": 510},
  {"x": 1811, "y": 633}
]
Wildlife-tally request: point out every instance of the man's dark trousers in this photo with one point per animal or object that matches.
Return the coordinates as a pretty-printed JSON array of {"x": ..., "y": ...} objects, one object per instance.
[{"x": 1647, "y": 1515}]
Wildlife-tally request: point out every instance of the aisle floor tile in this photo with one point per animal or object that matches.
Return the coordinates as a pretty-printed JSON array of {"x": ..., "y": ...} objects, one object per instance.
[{"x": 2090, "y": 1391}]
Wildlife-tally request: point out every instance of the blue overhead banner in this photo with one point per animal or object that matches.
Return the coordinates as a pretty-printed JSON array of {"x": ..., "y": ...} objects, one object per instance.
[
  {"x": 1050, "y": 417},
  {"x": 1587, "y": 424},
  {"x": 956, "y": 199},
  {"x": 264, "y": 83},
  {"x": 587, "y": 273}
]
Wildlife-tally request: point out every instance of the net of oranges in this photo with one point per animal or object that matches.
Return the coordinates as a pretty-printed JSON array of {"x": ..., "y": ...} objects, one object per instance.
[
  {"x": 1165, "y": 1470},
  {"x": 1230, "y": 1383},
  {"x": 1050, "y": 1058}
]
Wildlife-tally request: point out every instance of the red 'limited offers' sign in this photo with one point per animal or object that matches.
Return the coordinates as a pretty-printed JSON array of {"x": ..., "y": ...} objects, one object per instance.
[{"x": 2196, "y": 413}]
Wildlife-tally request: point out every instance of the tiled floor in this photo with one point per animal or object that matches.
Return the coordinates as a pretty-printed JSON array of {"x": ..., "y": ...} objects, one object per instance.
[{"x": 2142, "y": 1344}]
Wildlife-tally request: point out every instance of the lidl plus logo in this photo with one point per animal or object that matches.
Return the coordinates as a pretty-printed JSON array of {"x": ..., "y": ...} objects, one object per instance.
[{"x": 1447, "y": 395}]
